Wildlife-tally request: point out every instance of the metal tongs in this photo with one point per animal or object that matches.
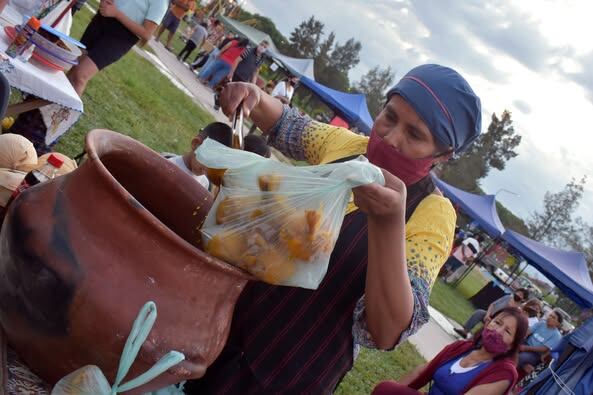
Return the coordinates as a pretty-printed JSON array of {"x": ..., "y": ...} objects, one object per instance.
[{"x": 238, "y": 128}]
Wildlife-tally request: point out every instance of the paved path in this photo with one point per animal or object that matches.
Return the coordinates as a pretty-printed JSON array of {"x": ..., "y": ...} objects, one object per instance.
[{"x": 434, "y": 336}]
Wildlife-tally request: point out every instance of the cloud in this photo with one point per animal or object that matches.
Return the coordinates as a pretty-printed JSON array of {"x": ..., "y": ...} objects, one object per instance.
[
  {"x": 522, "y": 106},
  {"x": 585, "y": 77}
]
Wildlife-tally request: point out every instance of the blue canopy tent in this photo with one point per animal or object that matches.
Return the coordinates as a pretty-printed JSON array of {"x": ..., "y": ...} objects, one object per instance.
[
  {"x": 566, "y": 269},
  {"x": 350, "y": 106},
  {"x": 482, "y": 208}
]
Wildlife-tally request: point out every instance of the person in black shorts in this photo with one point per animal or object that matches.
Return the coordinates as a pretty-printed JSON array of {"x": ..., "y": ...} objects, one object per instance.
[{"x": 112, "y": 33}]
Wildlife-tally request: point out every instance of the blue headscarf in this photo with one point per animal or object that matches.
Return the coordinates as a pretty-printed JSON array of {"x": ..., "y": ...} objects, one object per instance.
[{"x": 445, "y": 102}]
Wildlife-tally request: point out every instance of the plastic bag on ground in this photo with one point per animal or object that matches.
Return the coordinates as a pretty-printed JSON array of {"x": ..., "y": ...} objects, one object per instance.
[
  {"x": 276, "y": 221},
  {"x": 90, "y": 380}
]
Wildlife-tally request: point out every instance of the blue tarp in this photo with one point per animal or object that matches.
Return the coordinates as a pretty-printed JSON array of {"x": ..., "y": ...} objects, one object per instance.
[
  {"x": 567, "y": 269},
  {"x": 352, "y": 107},
  {"x": 481, "y": 208}
]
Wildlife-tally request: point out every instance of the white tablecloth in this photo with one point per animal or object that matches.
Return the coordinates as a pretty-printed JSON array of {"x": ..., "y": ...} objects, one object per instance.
[{"x": 36, "y": 79}]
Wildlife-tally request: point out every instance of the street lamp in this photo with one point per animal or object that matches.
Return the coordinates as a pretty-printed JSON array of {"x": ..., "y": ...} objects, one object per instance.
[{"x": 507, "y": 191}]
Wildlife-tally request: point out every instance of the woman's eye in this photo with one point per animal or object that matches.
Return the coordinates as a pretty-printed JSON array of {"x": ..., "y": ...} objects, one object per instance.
[{"x": 415, "y": 135}]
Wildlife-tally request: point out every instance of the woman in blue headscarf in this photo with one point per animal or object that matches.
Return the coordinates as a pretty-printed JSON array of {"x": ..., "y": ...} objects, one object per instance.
[{"x": 393, "y": 241}]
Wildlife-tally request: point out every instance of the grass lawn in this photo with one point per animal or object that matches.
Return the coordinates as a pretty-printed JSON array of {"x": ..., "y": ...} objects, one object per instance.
[
  {"x": 373, "y": 366},
  {"x": 470, "y": 285},
  {"x": 450, "y": 302},
  {"x": 132, "y": 97}
]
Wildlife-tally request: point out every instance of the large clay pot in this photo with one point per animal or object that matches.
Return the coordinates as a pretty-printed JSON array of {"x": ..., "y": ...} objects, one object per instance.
[{"x": 80, "y": 255}]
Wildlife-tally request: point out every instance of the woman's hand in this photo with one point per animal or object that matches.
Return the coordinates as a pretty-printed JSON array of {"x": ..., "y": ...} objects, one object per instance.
[
  {"x": 382, "y": 202},
  {"x": 108, "y": 9},
  {"x": 236, "y": 92}
]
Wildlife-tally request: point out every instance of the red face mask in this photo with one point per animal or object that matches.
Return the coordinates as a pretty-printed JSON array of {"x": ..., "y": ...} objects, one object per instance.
[{"x": 410, "y": 171}]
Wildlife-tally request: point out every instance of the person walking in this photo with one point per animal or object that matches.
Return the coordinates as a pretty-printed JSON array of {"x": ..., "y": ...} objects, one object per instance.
[
  {"x": 195, "y": 40},
  {"x": 172, "y": 19}
]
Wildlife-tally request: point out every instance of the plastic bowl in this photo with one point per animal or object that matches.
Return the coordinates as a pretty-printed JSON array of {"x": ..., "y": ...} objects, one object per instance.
[{"x": 54, "y": 53}]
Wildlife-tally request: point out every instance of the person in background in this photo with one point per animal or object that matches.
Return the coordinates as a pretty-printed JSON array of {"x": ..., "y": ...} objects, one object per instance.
[
  {"x": 256, "y": 144},
  {"x": 284, "y": 90},
  {"x": 251, "y": 60},
  {"x": 247, "y": 69},
  {"x": 461, "y": 257},
  {"x": 481, "y": 366},
  {"x": 173, "y": 18},
  {"x": 112, "y": 32},
  {"x": 211, "y": 48},
  {"x": 225, "y": 64},
  {"x": 543, "y": 337},
  {"x": 533, "y": 309},
  {"x": 77, "y": 6},
  {"x": 393, "y": 241},
  {"x": 195, "y": 40},
  {"x": 269, "y": 87},
  {"x": 188, "y": 162},
  {"x": 484, "y": 316}
]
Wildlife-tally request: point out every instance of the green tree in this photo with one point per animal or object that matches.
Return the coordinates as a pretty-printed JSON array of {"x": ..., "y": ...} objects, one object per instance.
[
  {"x": 580, "y": 238},
  {"x": 510, "y": 220},
  {"x": 325, "y": 49},
  {"x": 556, "y": 221},
  {"x": 265, "y": 25},
  {"x": 374, "y": 84},
  {"x": 345, "y": 57},
  {"x": 491, "y": 150},
  {"x": 305, "y": 38}
]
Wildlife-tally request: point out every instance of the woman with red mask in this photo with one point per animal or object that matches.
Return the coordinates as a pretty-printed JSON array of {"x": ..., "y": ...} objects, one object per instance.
[
  {"x": 484, "y": 365},
  {"x": 392, "y": 243}
]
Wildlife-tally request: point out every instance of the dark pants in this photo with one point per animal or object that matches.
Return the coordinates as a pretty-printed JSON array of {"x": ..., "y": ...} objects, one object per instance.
[
  {"x": 528, "y": 357},
  {"x": 475, "y": 319},
  {"x": 200, "y": 60},
  {"x": 187, "y": 50}
]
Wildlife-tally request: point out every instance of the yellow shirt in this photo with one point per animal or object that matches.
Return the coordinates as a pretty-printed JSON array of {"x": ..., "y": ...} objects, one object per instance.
[{"x": 430, "y": 229}]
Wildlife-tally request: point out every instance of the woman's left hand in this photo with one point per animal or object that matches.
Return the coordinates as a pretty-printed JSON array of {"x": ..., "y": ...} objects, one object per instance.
[
  {"x": 107, "y": 8},
  {"x": 382, "y": 202}
]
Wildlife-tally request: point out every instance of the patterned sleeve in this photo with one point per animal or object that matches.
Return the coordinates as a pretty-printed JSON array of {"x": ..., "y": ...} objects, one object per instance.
[
  {"x": 429, "y": 235},
  {"x": 299, "y": 137}
]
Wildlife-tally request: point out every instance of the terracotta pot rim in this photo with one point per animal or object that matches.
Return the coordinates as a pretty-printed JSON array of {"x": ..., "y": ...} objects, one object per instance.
[{"x": 148, "y": 217}]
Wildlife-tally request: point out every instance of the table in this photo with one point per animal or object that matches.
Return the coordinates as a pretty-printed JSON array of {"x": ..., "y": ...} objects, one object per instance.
[{"x": 58, "y": 102}]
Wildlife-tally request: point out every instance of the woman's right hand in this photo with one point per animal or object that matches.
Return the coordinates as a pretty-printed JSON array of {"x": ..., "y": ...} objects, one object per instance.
[{"x": 236, "y": 93}]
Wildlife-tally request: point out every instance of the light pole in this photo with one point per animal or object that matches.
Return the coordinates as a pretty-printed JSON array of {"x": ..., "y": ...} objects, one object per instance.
[{"x": 507, "y": 191}]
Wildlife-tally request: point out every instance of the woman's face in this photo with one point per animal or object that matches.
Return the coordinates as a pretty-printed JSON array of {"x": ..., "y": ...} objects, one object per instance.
[
  {"x": 401, "y": 127},
  {"x": 506, "y": 326}
]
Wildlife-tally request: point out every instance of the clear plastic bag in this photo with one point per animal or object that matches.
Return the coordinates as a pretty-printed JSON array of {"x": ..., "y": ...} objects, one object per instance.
[
  {"x": 90, "y": 380},
  {"x": 276, "y": 221}
]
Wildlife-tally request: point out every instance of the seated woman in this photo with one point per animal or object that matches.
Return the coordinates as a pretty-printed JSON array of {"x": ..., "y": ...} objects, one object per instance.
[
  {"x": 484, "y": 365},
  {"x": 544, "y": 336}
]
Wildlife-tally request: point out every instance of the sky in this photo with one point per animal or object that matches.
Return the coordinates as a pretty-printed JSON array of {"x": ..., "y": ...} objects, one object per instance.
[{"x": 532, "y": 57}]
